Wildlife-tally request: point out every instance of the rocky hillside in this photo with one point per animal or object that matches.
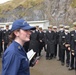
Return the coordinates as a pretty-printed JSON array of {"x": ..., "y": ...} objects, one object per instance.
[{"x": 56, "y": 11}]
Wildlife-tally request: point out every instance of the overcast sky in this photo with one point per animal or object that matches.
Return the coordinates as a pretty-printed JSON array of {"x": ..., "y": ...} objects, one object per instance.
[{"x": 3, "y": 1}]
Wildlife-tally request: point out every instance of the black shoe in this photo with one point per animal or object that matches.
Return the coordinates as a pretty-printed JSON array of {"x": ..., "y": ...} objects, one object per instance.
[
  {"x": 0, "y": 56},
  {"x": 67, "y": 65},
  {"x": 47, "y": 58},
  {"x": 62, "y": 64},
  {"x": 54, "y": 56},
  {"x": 75, "y": 69},
  {"x": 50, "y": 58},
  {"x": 71, "y": 68},
  {"x": 58, "y": 59}
]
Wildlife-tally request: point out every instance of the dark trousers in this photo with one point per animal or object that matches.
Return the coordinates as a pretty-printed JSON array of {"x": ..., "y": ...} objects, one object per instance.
[
  {"x": 49, "y": 55},
  {"x": 67, "y": 56},
  {"x": 59, "y": 53},
  {"x": 55, "y": 50},
  {"x": 44, "y": 48},
  {"x": 39, "y": 53},
  {"x": 5, "y": 46},
  {"x": 40, "y": 47},
  {"x": 1, "y": 48},
  {"x": 75, "y": 63},
  {"x": 72, "y": 61},
  {"x": 62, "y": 55}
]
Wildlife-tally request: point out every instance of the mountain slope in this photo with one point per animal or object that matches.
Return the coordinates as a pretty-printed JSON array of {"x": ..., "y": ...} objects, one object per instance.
[{"x": 56, "y": 11}]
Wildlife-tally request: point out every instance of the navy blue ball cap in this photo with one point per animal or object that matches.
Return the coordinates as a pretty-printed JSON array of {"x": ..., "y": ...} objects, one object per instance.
[{"x": 21, "y": 24}]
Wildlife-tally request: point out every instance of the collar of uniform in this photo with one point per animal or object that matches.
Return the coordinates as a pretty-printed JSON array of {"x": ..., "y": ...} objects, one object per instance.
[
  {"x": 49, "y": 31},
  {"x": 61, "y": 30},
  {"x": 75, "y": 31},
  {"x": 19, "y": 46},
  {"x": 40, "y": 31},
  {"x": 66, "y": 33}
]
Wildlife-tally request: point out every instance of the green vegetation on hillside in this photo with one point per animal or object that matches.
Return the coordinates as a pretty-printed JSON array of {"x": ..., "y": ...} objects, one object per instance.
[
  {"x": 11, "y": 5},
  {"x": 73, "y": 4},
  {"x": 15, "y": 3}
]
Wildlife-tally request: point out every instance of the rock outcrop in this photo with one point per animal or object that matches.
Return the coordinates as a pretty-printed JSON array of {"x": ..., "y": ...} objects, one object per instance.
[{"x": 56, "y": 11}]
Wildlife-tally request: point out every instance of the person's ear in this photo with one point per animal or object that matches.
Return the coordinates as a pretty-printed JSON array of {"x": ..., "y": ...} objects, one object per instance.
[{"x": 16, "y": 33}]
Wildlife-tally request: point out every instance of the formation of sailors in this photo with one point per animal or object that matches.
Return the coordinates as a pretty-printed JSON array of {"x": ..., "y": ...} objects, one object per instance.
[
  {"x": 4, "y": 38},
  {"x": 53, "y": 40}
]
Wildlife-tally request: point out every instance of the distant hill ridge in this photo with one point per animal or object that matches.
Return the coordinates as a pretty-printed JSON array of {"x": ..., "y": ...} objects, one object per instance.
[
  {"x": 10, "y": 5},
  {"x": 56, "y": 11}
]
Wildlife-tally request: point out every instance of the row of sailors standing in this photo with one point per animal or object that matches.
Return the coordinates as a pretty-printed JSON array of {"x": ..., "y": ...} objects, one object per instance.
[
  {"x": 49, "y": 39},
  {"x": 4, "y": 38},
  {"x": 67, "y": 42}
]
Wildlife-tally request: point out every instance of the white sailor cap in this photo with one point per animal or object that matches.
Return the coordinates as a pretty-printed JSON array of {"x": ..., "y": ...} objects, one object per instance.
[
  {"x": 66, "y": 27},
  {"x": 50, "y": 26},
  {"x": 61, "y": 26},
  {"x": 74, "y": 23},
  {"x": 55, "y": 27}
]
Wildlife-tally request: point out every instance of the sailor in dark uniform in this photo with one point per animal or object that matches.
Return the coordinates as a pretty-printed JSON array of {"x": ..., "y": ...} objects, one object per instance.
[
  {"x": 67, "y": 44},
  {"x": 15, "y": 60},
  {"x": 50, "y": 38},
  {"x": 44, "y": 40},
  {"x": 1, "y": 49},
  {"x": 56, "y": 39},
  {"x": 73, "y": 47},
  {"x": 62, "y": 47},
  {"x": 34, "y": 42},
  {"x": 5, "y": 36},
  {"x": 41, "y": 40},
  {"x": 37, "y": 28},
  {"x": 60, "y": 32}
]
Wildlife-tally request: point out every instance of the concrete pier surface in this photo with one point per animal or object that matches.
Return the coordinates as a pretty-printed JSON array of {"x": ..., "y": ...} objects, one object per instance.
[
  {"x": 47, "y": 67},
  {"x": 50, "y": 67}
]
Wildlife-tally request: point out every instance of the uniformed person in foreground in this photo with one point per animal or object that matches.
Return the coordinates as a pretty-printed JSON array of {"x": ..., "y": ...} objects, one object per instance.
[{"x": 15, "y": 61}]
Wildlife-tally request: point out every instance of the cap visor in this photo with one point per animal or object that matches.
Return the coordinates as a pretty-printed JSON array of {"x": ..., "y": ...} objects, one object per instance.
[{"x": 28, "y": 28}]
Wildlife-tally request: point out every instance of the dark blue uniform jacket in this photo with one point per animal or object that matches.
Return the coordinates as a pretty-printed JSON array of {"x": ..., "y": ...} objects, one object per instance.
[{"x": 15, "y": 61}]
